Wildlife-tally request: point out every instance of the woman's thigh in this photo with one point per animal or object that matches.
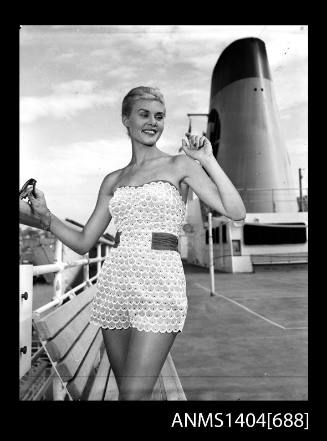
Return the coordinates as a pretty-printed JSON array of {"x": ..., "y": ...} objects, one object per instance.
[
  {"x": 116, "y": 342},
  {"x": 146, "y": 355}
]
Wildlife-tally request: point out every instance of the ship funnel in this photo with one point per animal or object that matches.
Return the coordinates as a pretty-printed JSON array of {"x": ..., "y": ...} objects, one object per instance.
[{"x": 243, "y": 127}]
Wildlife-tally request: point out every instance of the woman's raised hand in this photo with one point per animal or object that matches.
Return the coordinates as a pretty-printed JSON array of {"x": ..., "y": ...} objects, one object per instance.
[{"x": 197, "y": 147}]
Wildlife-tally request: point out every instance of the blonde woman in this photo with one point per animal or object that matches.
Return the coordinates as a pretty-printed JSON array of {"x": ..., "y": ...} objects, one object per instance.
[{"x": 141, "y": 301}]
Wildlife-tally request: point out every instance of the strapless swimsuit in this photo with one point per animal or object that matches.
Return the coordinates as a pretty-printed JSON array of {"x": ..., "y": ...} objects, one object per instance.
[{"x": 142, "y": 282}]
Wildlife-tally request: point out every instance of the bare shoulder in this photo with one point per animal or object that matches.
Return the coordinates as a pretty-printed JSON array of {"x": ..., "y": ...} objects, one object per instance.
[{"x": 109, "y": 181}]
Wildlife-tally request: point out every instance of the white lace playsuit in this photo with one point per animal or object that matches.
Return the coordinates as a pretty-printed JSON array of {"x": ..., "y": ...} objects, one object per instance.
[{"x": 139, "y": 285}]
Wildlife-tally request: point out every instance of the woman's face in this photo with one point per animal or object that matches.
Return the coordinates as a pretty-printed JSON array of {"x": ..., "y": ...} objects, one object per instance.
[{"x": 146, "y": 121}]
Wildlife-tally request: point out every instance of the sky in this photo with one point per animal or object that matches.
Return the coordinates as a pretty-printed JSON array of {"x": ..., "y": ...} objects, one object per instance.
[{"x": 73, "y": 79}]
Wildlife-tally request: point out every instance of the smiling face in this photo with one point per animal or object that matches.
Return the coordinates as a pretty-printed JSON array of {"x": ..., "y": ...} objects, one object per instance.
[{"x": 145, "y": 123}]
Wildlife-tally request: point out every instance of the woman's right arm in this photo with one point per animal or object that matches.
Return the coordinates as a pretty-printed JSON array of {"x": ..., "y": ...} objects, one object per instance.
[{"x": 79, "y": 241}]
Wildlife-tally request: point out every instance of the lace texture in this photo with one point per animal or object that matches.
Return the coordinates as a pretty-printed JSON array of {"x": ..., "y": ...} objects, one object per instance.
[{"x": 139, "y": 286}]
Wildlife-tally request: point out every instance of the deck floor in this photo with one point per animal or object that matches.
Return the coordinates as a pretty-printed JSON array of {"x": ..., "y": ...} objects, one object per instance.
[
  {"x": 247, "y": 343},
  {"x": 250, "y": 341}
]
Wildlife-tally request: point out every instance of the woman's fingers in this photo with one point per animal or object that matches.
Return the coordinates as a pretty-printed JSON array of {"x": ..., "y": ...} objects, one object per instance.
[
  {"x": 31, "y": 200},
  {"x": 195, "y": 142},
  {"x": 185, "y": 143},
  {"x": 192, "y": 140},
  {"x": 35, "y": 194},
  {"x": 30, "y": 194},
  {"x": 38, "y": 193},
  {"x": 202, "y": 141},
  {"x": 25, "y": 193},
  {"x": 199, "y": 141}
]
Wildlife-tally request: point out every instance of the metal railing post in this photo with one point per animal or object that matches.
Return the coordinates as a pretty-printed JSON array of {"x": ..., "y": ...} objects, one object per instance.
[
  {"x": 229, "y": 240},
  {"x": 221, "y": 245},
  {"x": 86, "y": 271},
  {"x": 58, "y": 390},
  {"x": 273, "y": 201},
  {"x": 58, "y": 278},
  {"x": 25, "y": 317},
  {"x": 98, "y": 256},
  {"x": 211, "y": 260}
]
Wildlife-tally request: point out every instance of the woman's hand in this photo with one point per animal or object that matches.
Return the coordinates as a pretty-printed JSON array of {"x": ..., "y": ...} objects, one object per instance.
[
  {"x": 38, "y": 204},
  {"x": 197, "y": 147}
]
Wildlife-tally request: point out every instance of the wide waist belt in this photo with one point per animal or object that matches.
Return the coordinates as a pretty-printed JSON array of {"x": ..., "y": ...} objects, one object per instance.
[{"x": 160, "y": 241}]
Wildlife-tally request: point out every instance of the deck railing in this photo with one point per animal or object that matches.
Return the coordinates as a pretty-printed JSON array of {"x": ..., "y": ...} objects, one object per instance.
[{"x": 28, "y": 271}]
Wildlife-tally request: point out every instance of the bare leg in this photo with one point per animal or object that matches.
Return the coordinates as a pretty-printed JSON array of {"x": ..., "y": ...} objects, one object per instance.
[
  {"x": 116, "y": 342},
  {"x": 146, "y": 355}
]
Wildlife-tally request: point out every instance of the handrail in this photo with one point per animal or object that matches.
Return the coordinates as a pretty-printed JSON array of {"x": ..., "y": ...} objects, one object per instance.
[
  {"x": 58, "y": 301},
  {"x": 29, "y": 219},
  {"x": 56, "y": 267},
  {"x": 271, "y": 188}
]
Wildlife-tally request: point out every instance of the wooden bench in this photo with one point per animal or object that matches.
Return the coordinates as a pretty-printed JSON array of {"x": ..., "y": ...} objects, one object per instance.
[{"x": 78, "y": 357}]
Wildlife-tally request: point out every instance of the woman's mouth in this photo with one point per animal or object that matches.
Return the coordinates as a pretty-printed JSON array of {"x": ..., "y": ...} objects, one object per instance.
[{"x": 150, "y": 132}]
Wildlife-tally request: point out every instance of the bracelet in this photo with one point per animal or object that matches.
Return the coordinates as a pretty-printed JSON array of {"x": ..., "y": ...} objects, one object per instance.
[{"x": 44, "y": 226}]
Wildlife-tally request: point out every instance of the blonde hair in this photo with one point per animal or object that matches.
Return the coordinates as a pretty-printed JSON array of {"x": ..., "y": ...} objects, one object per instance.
[{"x": 141, "y": 92}]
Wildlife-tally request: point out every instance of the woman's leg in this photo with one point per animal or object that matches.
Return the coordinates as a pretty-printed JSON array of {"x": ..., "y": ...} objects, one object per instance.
[
  {"x": 146, "y": 355},
  {"x": 116, "y": 342}
]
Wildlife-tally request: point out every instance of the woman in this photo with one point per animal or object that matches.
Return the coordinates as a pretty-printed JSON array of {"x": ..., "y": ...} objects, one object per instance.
[{"x": 141, "y": 301}]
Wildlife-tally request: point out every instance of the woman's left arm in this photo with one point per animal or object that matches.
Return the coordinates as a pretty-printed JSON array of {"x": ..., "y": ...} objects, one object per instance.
[{"x": 218, "y": 192}]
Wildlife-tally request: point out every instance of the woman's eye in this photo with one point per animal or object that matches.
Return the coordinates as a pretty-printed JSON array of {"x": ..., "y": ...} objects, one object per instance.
[{"x": 146, "y": 115}]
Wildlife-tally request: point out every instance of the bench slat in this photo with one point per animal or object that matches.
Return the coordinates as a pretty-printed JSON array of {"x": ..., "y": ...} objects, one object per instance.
[
  {"x": 50, "y": 324},
  {"x": 77, "y": 384},
  {"x": 100, "y": 381},
  {"x": 60, "y": 345},
  {"x": 74, "y": 344},
  {"x": 68, "y": 366},
  {"x": 112, "y": 391},
  {"x": 172, "y": 384}
]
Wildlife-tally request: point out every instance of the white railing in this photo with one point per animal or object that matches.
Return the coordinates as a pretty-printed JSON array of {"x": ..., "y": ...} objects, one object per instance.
[
  {"x": 274, "y": 199},
  {"x": 27, "y": 272},
  {"x": 59, "y": 267}
]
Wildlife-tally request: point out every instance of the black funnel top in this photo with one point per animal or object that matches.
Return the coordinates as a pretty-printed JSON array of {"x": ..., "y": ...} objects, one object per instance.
[{"x": 241, "y": 59}]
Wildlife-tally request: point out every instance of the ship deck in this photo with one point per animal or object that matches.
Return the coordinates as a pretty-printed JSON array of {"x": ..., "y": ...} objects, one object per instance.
[{"x": 248, "y": 342}]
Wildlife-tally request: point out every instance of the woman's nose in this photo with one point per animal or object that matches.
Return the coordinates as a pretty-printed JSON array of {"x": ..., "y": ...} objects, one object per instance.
[{"x": 152, "y": 120}]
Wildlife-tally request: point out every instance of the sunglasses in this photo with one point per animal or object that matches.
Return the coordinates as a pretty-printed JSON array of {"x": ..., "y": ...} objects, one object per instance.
[{"x": 29, "y": 183}]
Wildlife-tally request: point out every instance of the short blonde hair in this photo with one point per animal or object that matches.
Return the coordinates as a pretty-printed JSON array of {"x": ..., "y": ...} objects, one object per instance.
[{"x": 141, "y": 92}]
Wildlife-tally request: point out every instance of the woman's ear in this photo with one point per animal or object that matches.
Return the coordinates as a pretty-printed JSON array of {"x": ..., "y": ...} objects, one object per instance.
[{"x": 125, "y": 121}]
